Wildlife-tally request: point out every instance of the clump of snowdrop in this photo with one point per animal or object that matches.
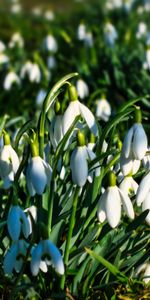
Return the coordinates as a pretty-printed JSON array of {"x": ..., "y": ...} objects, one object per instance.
[
  {"x": 79, "y": 162},
  {"x": 16, "y": 41},
  {"x": 82, "y": 88},
  {"x": 103, "y": 109},
  {"x": 110, "y": 34},
  {"x": 32, "y": 71},
  {"x": 9, "y": 162},
  {"x": 10, "y": 79},
  {"x": 50, "y": 43},
  {"x": 21, "y": 223},
  {"x": 45, "y": 254},
  {"x": 111, "y": 202},
  {"x": 75, "y": 109},
  {"x": 15, "y": 256}
]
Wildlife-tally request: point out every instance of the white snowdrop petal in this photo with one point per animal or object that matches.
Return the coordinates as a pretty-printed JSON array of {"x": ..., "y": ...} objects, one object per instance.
[
  {"x": 36, "y": 259},
  {"x": 10, "y": 259},
  {"x": 14, "y": 159},
  {"x": 79, "y": 166},
  {"x": 13, "y": 222},
  {"x": 25, "y": 224},
  {"x": 143, "y": 189},
  {"x": 113, "y": 206},
  {"x": 30, "y": 186},
  {"x": 70, "y": 114},
  {"x": 126, "y": 148},
  {"x": 43, "y": 266},
  {"x": 147, "y": 274},
  {"x": 139, "y": 141},
  {"x": 89, "y": 118},
  {"x": 146, "y": 205},
  {"x": 38, "y": 175},
  {"x": 127, "y": 204},
  {"x": 55, "y": 255},
  {"x": 58, "y": 133},
  {"x": 101, "y": 213}
]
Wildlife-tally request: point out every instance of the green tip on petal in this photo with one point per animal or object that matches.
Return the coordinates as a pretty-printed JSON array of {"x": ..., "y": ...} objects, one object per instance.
[
  {"x": 138, "y": 115},
  {"x": 80, "y": 138},
  {"x": 57, "y": 107},
  {"x": 92, "y": 138},
  {"x": 72, "y": 92},
  {"x": 112, "y": 179}
]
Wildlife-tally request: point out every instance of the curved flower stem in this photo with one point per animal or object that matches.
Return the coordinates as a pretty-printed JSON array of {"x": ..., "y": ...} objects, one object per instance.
[{"x": 69, "y": 236}]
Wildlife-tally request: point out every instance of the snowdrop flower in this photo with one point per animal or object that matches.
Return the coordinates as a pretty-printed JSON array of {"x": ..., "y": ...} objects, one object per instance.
[
  {"x": 46, "y": 249},
  {"x": 17, "y": 222},
  {"x": 148, "y": 57},
  {"x": 110, "y": 34},
  {"x": 51, "y": 62},
  {"x": 56, "y": 128},
  {"x": 40, "y": 97},
  {"x": 9, "y": 164},
  {"x": 135, "y": 141},
  {"x": 38, "y": 175},
  {"x": 37, "y": 11},
  {"x": 142, "y": 30},
  {"x": 15, "y": 256},
  {"x": 2, "y": 46},
  {"x": 110, "y": 202},
  {"x": 32, "y": 71},
  {"x": 4, "y": 59},
  {"x": 89, "y": 39},
  {"x": 127, "y": 5},
  {"x": 145, "y": 269},
  {"x": 82, "y": 88},
  {"x": 103, "y": 109},
  {"x": 16, "y": 41},
  {"x": 143, "y": 189},
  {"x": 79, "y": 163},
  {"x": 129, "y": 186},
  {"x": 31, "y": 215},
  {"x": 146, "y": 205},
  {"x": 129, "y": 165},
  {"x": 76, "y": 108},
  {"x": 81, "y": 32},
  {"x": 10, "y": 79},
  {"x": 146, "y": 160},
  {"x": 51, "y": 43},
  {"x": 16, "y": 8},
  {"x": 49, "y": 15}
]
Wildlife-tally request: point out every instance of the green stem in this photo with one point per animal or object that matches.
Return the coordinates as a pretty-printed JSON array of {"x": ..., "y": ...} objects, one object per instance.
[
  {"x": 50, "y": 207},
  {"x": 69, "y": 236}
]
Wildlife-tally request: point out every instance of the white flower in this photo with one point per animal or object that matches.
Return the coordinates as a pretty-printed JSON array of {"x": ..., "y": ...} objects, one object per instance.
[
  {"x": 51, "y": 43},
  {"x": 146, "y": 269},
  {"x": 16, "y": 8},
  {"x": 38, "y": 175},
  {"x": 32, "y": 71},
  {"x": 9, "y": 164},
  {"x": 46, "y": 249},
  {"x": 49, "y": 15},
  {"x": 129, "y": 165},
  {"x": 74, "y": 109},
  {"x": 103, "y": 109},
  {"x": 56, "y": 130},
  {"x": 2, "y": 46},
  {"x": 142, "y": 29},
  {"x": 110, "y": 34},
  {"x": 135, "y": 142},
  {"x": 10, "y": 79},
  {"x": 15, "y": 256},
  {"x": 146, "y": 160},
  {"x": 16, "y": 41},
  {"x": 4, "y": 59},
  {"x": 143, "y": 189},
  {"x": 146, "y": 205},
  {"x": 89, "y": 39},
  {"x": 82, "y": 88},
  {"x": 17, "y": 222},
  {"x": 31, "y": 215},
  {"x": 81, "y": 32},
  {"x": 79, "y": 165},
  {"x": 51, "y": 62},
  {"x": 129, "y": 186},
  {"x": 40, "y": 97},
  {"x": 148, "y": 58},
  {"x": 109, "y": 206}
]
